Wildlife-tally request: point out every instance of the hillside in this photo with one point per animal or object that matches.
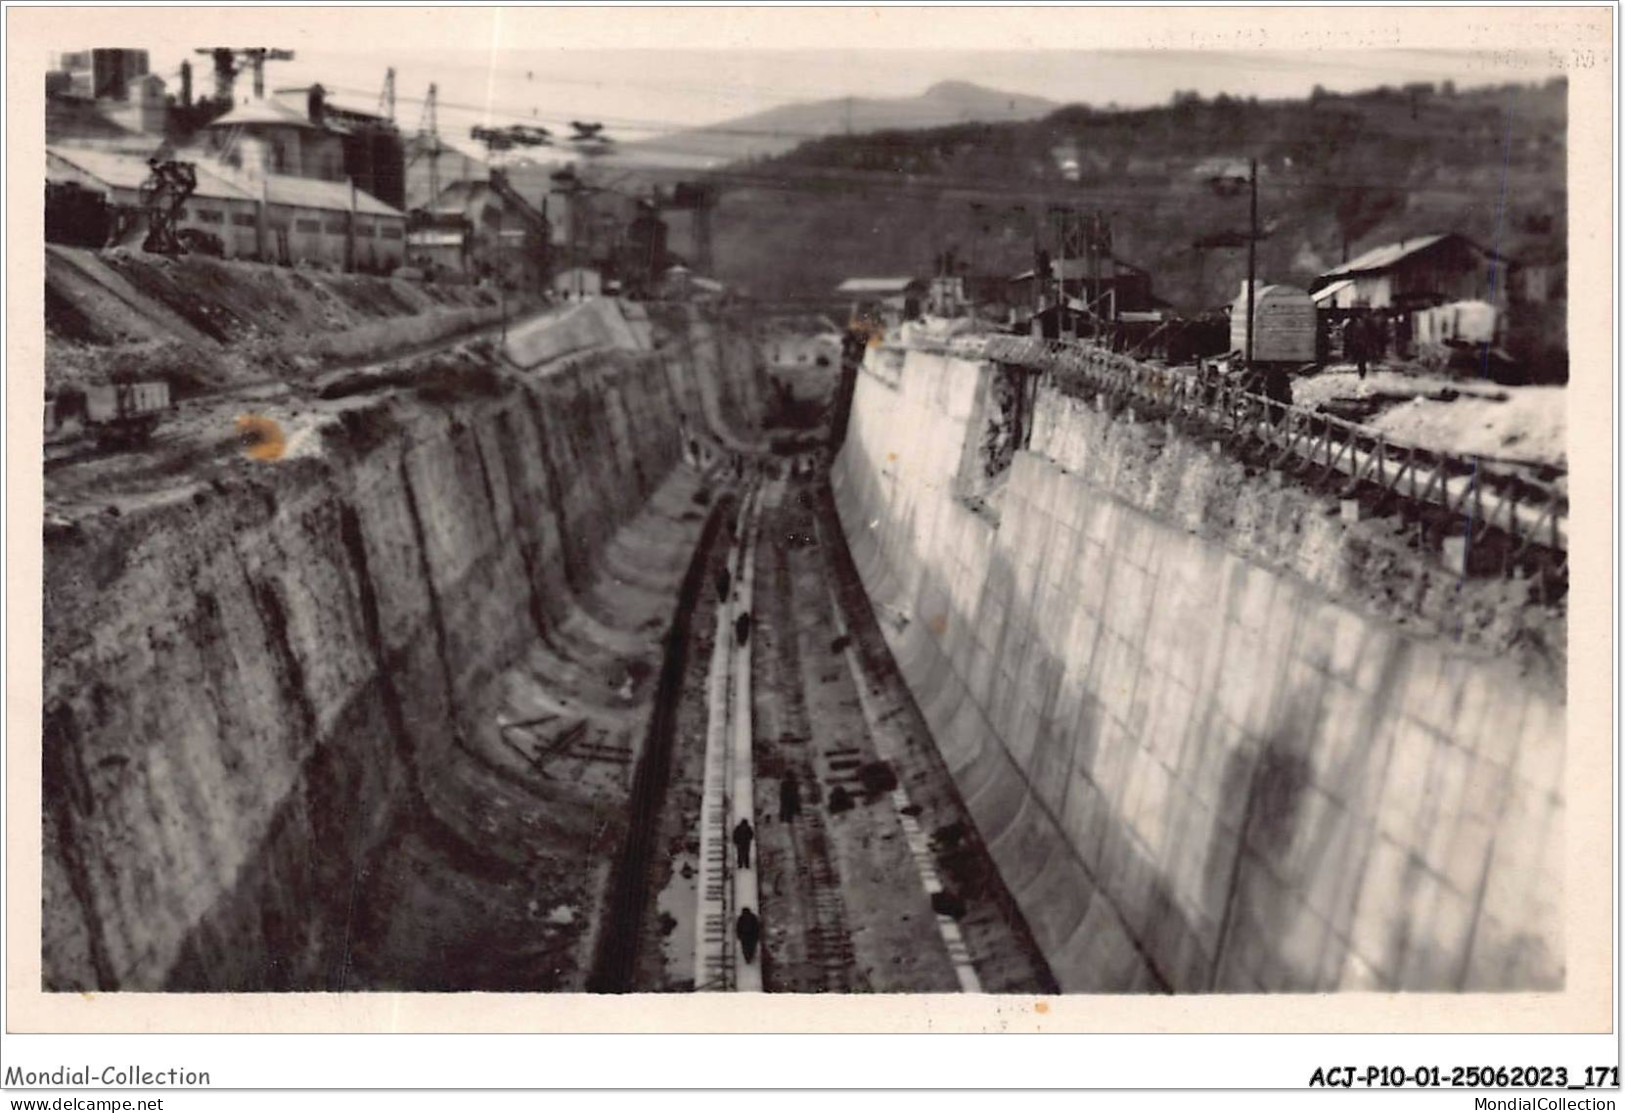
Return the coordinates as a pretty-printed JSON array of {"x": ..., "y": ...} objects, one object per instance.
[
  {"x": 777, "y": 130},
  {"x": 1337, "y": 174}
]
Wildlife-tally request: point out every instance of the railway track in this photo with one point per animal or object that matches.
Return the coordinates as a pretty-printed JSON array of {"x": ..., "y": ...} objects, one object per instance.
[
  {"x": 989, "y": 944},
  {"x": 829, "y": 941},
  {"x": 806, "y": 912}
]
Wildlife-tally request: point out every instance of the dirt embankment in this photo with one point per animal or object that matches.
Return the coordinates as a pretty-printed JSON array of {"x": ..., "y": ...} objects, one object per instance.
[{"x": 207, "y": 324}]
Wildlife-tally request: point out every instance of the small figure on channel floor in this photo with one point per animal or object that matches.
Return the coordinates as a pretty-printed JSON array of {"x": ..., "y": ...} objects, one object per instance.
[
  {"x": 743, "y": 834},
  {"x": 749, "y": 930},
  {"x": 742, "y": 628},
  {"x": 724, "y": 582}
]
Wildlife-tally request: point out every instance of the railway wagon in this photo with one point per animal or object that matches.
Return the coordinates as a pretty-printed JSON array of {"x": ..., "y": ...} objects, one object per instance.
[
  {"x": 124, "y": 401},
  {"x": 1283, "y": 325}
]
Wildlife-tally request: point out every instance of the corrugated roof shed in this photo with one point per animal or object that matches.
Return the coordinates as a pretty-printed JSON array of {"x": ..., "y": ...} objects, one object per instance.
[{"x": 1381, "y": 258}]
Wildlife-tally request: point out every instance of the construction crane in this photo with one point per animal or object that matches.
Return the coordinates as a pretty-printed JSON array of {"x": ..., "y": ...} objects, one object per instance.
[
  {"x": 229, "y": 62},
  {"x": 429, "y": 130}
]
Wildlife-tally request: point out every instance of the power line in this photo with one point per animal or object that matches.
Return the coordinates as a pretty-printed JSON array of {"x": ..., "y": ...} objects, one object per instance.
[{"x": 664, "y": 127}]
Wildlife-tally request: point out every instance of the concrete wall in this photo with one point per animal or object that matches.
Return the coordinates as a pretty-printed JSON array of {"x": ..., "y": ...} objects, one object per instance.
[{"x": 1198, "y": 769}]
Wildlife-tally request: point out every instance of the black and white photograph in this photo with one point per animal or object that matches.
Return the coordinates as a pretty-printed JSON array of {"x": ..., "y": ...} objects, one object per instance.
[{"x": 804, "y": 520}]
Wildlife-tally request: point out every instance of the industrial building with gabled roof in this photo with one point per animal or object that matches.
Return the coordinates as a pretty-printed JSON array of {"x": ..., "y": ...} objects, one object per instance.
[{"x": 1416, "y": 272}]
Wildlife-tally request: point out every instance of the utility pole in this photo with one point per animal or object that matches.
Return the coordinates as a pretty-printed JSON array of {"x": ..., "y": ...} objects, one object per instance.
[
  {"x": 1058, "y": 215},
  {"x": 349, "y": 233},
  {"x": 1252, "y": 253},
  {"x": 1094, "y": 275},
  {"x": 975, "y": 251},
  {"x": 584, "y": 218},
  {"x": 1105, "y": 270},
  {"x": 1111, "y": 261},
  {"x": 1060, "y": 273},
  {"x": 501, "y": 275}
]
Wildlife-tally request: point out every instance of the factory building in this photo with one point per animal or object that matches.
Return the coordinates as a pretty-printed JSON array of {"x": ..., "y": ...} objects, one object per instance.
[
  {"x": 307, "y": 136},
  {"x": 104, "y": 94}
]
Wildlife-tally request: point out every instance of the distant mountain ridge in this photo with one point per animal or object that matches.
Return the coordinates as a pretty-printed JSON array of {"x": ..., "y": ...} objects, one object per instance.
[{"x": 777, "y": 130}]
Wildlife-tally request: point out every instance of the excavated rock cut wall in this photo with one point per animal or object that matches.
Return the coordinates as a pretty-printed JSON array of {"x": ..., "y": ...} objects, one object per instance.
[
  {"x": 1197, "y": 769},
  {"x": 245, "y": 688}
]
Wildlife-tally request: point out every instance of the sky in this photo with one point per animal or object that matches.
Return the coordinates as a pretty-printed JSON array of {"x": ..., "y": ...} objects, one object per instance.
[{"x": 641, "y": 93}]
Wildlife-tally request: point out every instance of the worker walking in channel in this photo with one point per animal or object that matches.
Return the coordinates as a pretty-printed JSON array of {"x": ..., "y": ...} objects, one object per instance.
[
  {"x": 724, "y": 582},
  {"x": 1278, "y": 389},
  {"x": 749, "y": 930},
  {"x": 789, "y": 798},
  {"x": 743, "y": 834},
  {"x": 742, "y": 628},
  {"x": 1354, "y": 341}
]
